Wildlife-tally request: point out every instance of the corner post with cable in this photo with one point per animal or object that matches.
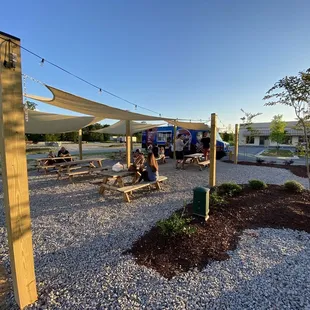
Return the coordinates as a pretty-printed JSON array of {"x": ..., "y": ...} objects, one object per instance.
[{"x": 14, "y": 172}]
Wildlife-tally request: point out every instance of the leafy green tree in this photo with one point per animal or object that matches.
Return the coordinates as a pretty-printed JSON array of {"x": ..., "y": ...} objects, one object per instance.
[
  {"x": 90, "y": 136},
  {"x": 247, "y": 123},
  {"x": 277, "y": 130},
  {"x": 31, "y": 105},
  {"x": 294, "y": 92}
]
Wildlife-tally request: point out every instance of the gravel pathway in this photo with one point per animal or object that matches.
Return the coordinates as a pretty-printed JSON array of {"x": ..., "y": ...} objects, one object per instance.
[{"x": 79, "y": 237}]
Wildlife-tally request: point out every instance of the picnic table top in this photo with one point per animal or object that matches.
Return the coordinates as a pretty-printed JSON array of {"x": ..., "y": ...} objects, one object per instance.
[
  {"x": 47, "y": 158},
  {"x": 194, "y": 155},
  {"x": 80, "y": 161},
  {"x": 113, "y": 174}
]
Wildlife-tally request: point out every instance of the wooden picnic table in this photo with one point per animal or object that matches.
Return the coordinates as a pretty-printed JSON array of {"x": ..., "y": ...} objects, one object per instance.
[
  {"x": 69, "y": 165},
  {"x": 193, "y": 159},
  {"x": 117, "y": 177},
  {"x": 57, "y": 162}
]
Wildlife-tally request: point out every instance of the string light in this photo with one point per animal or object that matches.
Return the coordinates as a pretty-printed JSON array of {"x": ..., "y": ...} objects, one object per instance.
[
  {"x": 25, "y": 100},
  {"x": 43, "y": 61}
]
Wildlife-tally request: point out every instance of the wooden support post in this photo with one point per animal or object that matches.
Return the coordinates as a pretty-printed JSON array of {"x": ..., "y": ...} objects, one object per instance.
[
  {"x": 236, "y": 144},
  {"x": 212, "y": 175},
  {"x": 174, "y": 139},
  {"x": 14, "y": 172},
  {"x": 128, "y": 143},
  {"x": 80, "y": 144}
]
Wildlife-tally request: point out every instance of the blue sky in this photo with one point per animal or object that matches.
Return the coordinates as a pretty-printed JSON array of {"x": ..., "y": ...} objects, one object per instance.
[{"x": 184, "y": 59}]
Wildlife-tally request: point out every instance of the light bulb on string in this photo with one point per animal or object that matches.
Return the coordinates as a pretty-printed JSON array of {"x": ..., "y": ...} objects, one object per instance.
[
  {"x": 100, "y": 91},
  {"x": 42, "y": 62},
  {"x": 136, "y": 107}
]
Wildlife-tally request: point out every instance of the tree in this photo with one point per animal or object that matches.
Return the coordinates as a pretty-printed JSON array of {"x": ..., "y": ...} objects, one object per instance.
[
  {"x": 277, "y": 130},
  {"x": 294, "y": 92},
  {"x": 31, "y": 105},
  {"x": 247, "y": 123},
  {"x": 227, "y": 136}
]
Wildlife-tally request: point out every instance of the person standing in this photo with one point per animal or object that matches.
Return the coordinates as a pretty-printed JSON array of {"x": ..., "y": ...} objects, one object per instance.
[
  {"x": 179, "y": 151},
  {"x": 206, "y": 145}
]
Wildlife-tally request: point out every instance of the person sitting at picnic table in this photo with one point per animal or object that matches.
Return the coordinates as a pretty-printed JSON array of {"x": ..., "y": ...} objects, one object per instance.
[
  {"x": 162, "y": 155},
  {"x": 151, "y": 171},
  {"x": 179, "y": 150},
  {"x": 206, "y": 145},
  {"x": 50, "y": 161},
  {"x": 138, "y": 163},
  {"x": 155, "y": 150},
  {"x": 63, "y": 152}
]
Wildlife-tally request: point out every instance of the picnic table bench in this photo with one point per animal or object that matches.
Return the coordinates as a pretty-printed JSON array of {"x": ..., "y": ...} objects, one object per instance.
[
  {"x": 84, "y": 171},
  {"x": 127, "y": 190},
  {"x": 41, "y": 161},
  {"x": 65, "y": 169}
]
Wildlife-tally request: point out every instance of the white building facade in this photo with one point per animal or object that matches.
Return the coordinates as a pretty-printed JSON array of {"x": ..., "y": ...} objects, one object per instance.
[{"x": 261, "y": 133}]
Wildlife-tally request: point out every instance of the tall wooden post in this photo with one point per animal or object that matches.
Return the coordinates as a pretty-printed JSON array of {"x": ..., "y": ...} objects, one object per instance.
[
  {"x": 174, "y": 138},
  {"x": 80, "y": 145},
  {"x": 236, "y": 144},
  {"x": 212, "y": 175},
  {"x": 14, "y": 172},
  {"x": 128, "y": 143}
]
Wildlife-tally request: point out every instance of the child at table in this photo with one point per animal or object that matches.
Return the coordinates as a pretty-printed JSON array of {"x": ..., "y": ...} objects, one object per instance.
[
  {"x": 162, "y": 155},
  {"x": 50, "y": 161}
]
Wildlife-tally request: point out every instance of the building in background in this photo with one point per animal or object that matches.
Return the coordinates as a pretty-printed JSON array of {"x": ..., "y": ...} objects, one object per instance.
[{"x": 262, "y": 133}]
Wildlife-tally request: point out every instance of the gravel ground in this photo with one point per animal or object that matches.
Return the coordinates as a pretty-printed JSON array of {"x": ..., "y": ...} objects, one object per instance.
[{"x": 79, "y": 237}]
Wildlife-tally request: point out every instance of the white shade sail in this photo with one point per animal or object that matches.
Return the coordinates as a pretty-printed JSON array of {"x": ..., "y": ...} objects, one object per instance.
[
  {"x": 189, "y": 125},
  {"x": 81, "y": 105},
  {"x": 119, "y": 128},
  {"x": 48, "y": 123}
]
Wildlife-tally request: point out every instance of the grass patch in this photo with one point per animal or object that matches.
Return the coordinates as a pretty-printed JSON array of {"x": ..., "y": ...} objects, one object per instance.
[{"x": 277, "y": 153}]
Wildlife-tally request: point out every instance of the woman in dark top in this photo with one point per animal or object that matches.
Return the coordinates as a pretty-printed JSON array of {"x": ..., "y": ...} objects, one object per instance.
[
  {"x": 64, "y": 153},
  {"x": 206, "y": 145},
  {"x": 151, "y": 172}
]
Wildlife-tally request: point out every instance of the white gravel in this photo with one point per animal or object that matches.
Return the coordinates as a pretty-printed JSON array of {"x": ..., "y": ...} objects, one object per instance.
[{"x": 79, "y": 237}]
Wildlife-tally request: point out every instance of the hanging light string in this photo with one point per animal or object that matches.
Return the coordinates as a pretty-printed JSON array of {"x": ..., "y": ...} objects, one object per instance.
[
  {"x": 100, "y": 89},
  {"x": 25, "y": 99}
]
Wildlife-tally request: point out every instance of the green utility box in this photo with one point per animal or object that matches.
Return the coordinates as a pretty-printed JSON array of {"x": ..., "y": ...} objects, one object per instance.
[{"x": 201, "y": 202}]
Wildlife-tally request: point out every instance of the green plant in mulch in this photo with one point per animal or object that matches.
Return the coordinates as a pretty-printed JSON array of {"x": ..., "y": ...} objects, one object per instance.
[
  {"x": 217, "y": 200},
  {"x": 293, "y": 186},
  {"x": 176, "y": 224},
  {"x": 229, "y": 189},
  {"x": 257, "y": 184}
]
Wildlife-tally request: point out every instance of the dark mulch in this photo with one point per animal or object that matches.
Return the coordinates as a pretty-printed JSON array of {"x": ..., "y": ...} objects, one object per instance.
[
  {"x": 272, "y": 207},
  {"x": 299, "y": 170}
]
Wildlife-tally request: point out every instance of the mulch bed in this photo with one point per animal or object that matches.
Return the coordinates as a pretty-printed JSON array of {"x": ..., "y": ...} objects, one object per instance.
[
  {"x": 272, "y": 207},
  {"x": 299, "y": 170}
]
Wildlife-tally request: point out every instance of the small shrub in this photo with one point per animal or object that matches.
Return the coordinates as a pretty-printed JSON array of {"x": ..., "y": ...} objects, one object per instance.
[
  {"x": 229, "y": 189},
  {"x": 257, "y": 184},
  {"x": 259, "y": 160},
  {"x": 293, "y": 186},
  {"x": 217, "y": 200},
  {"x": 288, "y": 162},
  {"x": 175, "y": 225}
]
